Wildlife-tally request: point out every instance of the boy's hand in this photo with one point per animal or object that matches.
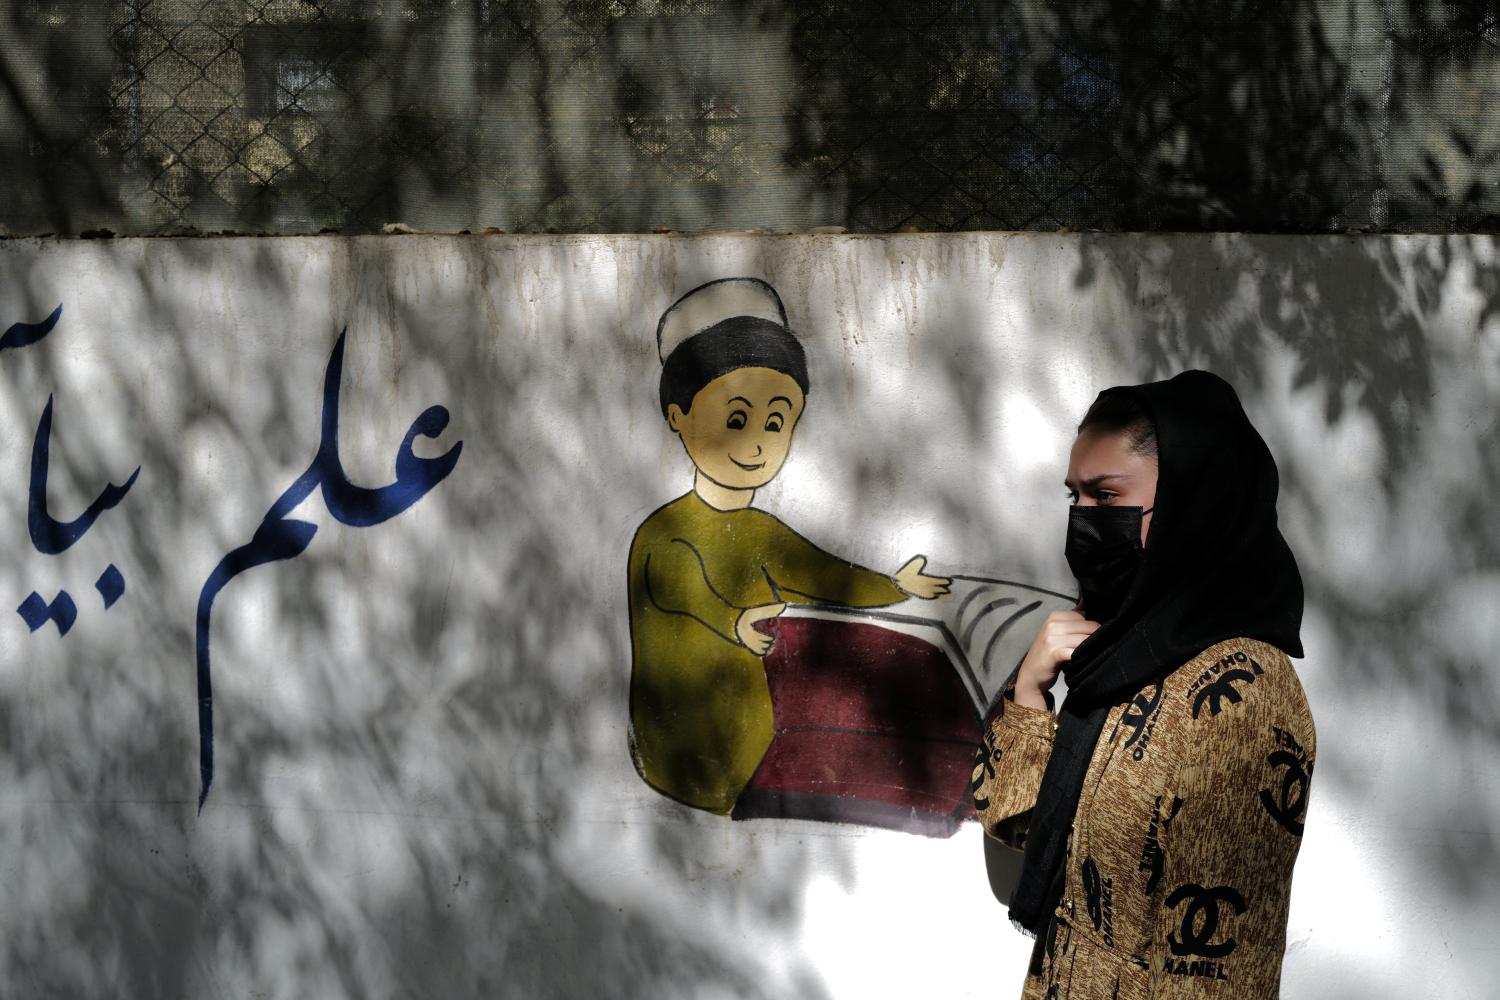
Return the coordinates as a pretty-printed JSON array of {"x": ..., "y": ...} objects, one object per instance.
[
  {"x": 750, "y": 637},
  {"x": 1060, "y": 634},
  {"x": 914, "y": 583}
]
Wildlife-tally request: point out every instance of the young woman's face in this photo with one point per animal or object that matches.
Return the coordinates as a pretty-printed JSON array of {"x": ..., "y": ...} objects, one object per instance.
[
  {"x": 739, "y": 427},
  {"x": 1104, "y": 470}
]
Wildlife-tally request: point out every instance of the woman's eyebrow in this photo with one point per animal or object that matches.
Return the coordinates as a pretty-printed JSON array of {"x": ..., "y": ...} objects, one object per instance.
[
  {"x": 1095, "y": 482},
  {"x": 783, "y": 399},
  {"x": 742, "y": 399}
]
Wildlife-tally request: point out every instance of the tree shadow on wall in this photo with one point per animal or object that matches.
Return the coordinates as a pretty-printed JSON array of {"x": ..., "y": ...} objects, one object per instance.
[
  {"x": 1370, "y": 330},
  {"x": 404, "y": 808}
]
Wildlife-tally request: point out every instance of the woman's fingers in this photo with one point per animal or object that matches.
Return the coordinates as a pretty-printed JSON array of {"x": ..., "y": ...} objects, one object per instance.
[
  {"x": 1066, "y": 637},
  {"x": 1081, "y": 627},
  {"x": 1057, "y": 640}
]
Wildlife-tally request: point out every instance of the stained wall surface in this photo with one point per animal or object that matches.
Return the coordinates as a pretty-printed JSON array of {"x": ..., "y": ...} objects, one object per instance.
[{"x": 421, "y": 782}]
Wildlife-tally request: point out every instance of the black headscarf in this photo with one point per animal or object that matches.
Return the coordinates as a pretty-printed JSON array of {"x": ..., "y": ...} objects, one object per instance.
[{"x": 1215, "y": 568}]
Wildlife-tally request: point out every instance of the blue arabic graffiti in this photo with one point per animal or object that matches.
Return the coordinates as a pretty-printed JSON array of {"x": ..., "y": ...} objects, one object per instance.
[
  {"x": 37, "y": 611},
  {"x": 111, "y": 585},
  {"x": 49, "y": 535},
  {"x": 25, "y": 334},
  {"x": 280, "y": 537},
  {"x": 277, "y": 536}
]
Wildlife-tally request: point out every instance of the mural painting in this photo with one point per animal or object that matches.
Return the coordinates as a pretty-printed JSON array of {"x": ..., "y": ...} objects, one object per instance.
[
  {"x": 423, "y": 727},
  {"x": 277, "y": 537},
  {"x": 771, "y": 678},
  {"x": 280, "y": 537},
  {"x": 48, "y": 535}
]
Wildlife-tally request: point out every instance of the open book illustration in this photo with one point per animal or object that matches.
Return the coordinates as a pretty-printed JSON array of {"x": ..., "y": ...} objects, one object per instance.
[
  {"x": 878, "y": 710},
  {"x": 984, "y": 627}
]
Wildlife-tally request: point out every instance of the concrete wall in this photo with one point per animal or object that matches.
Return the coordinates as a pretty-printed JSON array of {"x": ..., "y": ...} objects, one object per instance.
[{"x": 421, "y": 782}]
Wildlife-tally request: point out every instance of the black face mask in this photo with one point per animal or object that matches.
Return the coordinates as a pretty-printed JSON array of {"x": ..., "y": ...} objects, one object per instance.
[{"x": 1104, "y": 552}]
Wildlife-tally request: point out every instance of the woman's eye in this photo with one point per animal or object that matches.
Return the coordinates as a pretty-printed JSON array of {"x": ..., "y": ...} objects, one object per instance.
[
  {"x": 736, "y": 420},
  {"x": 1105, "y": 496},
  {"x": 1072, "y": 497},
  {"x": 773, "y": 423}
]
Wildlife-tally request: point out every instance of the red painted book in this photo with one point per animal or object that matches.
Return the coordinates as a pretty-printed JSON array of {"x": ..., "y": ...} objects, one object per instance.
[{"x": 878, "y": 711}]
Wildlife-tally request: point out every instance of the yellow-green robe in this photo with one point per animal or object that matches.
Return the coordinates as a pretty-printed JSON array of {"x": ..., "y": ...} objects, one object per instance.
[{"x": 700, "y": 709}]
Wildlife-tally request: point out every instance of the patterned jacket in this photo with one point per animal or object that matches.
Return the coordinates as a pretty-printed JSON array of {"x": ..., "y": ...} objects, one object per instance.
[{"x": 1179, "y": 864}]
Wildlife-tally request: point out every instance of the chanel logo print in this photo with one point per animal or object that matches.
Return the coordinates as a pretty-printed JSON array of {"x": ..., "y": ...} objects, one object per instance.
[
  {"x": 1216, "y": 684},
  {"x": 1140, "y": 718},
  {"x": 1200, "y": 922},
  {"x": 1091, "y": 891},
  {"x": 984, "y": 770},
  {"x": 1288, "y": 805},
  {"x": 1099, "y": 894},
  {"x": 1153, "y": 855}
]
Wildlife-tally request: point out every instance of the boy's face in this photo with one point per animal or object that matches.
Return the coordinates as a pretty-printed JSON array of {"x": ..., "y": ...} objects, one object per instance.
[{"x": 739, "y": 428}]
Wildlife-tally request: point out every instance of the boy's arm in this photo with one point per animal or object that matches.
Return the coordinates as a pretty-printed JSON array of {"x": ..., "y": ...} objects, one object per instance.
[
  {"x": 800, "y": 569},
  {"x": 677, "y": 583}
]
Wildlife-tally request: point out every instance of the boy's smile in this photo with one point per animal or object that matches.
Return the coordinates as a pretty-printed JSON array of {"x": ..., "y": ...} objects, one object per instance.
[{"x": 739, "y": 427}]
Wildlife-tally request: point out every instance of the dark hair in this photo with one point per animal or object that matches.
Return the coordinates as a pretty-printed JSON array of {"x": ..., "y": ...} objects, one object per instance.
[
  {"x": 1122, "y": 411},
  {"x": 734, "y": 343}
]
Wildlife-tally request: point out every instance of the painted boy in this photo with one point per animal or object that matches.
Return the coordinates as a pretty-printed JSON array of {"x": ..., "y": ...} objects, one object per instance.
[{"x": 707, "y": 567}]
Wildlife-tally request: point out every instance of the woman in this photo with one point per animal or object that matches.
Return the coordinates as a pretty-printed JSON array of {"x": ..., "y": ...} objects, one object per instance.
[
  {"x": 707, "y": 568},
  {"x": 1161, "y": 810}
]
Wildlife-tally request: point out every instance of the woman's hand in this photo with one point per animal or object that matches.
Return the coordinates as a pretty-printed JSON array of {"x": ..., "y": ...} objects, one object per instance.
[
  {"x": 1059, "y": 635},
  {"x": 751, "y": 637},
  {"x": 914, "y": 583}
]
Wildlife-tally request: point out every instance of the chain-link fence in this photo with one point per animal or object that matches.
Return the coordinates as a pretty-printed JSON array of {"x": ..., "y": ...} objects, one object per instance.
[{"x": 152, "y": 116}]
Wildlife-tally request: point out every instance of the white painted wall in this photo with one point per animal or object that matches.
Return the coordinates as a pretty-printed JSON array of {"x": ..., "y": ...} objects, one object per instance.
[{"x": 422, "y": 782}]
